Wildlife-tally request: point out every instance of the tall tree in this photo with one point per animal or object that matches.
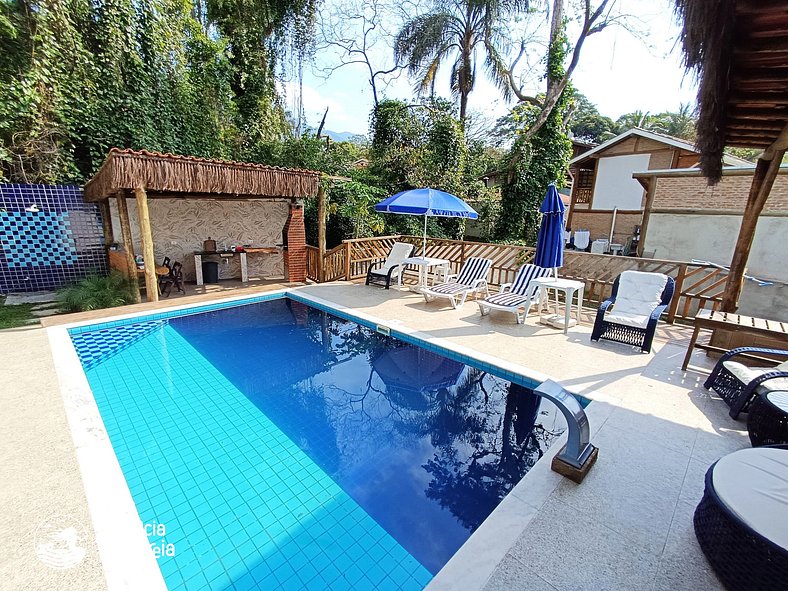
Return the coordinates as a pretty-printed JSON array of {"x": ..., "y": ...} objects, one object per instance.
[
  {"x": 357, "y": 31},
  {"x": 460, "y": 29},
  {"x": 593, "y": 19},
  {"x": 587, "y": 123},
  {"x": 537, "y": 158}
]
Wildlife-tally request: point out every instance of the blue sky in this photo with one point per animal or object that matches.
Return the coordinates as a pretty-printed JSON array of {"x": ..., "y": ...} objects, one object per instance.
[{"x": 618, "y": 72}]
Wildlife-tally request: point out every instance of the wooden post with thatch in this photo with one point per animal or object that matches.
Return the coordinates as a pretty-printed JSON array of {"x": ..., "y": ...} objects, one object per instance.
[
  {"x": 762, "y": 181},
  {"x": 128, "y": 244},
  {"x": 146, "y": 237},
  {"x": 321, "y": 232},
  {"x": 106, "y": 222}
]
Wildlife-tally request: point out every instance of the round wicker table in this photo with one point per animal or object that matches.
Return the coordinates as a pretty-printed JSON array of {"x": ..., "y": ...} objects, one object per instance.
[
  {"x": 742, "y": 521},
  {"x": 767, "y": 421}
]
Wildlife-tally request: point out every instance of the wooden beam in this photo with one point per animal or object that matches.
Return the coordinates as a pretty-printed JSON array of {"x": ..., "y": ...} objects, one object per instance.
[
  {"x": 765, "y": 172},
  {"x": 128, "y": 245},
  {"x": 146, "y": 237},
  {"x": 106, "y": 222},
  {"x": 321, "y": 231},
  {"x": 778, "y": 148},
  {"x": 650, "y": 193}
]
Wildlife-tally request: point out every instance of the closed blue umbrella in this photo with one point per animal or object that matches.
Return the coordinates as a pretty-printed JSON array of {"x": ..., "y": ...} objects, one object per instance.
[
  {"x": 550, "y": 244},
  {"x": 429, "y": 203}
]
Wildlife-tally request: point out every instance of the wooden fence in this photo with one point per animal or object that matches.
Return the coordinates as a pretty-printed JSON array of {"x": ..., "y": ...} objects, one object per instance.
[{"x": 697, "y": 286}]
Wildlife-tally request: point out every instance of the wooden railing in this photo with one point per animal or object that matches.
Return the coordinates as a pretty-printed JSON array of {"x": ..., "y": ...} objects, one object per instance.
[
  {"x": 697, "y": 286},
  {"x": 334, "y": 263},
  {"x": 313, "y": 264}
]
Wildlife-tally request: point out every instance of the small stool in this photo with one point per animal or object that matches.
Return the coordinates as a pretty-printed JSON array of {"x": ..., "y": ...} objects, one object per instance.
[
  {"x": 742, "y": 520},
  {"x": 767, "y": 421}
]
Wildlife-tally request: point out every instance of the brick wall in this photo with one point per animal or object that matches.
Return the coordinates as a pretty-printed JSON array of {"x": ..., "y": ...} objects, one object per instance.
[
  {"x": 598, "y": 223},
  {"x": 730, "y": 194},
  {"x": 295, "y": 254}
]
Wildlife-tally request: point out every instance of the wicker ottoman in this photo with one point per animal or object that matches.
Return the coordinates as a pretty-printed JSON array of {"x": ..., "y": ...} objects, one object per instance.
[
  {"x": 767, "y": 421},
  {"x": 742, "y": 521}
]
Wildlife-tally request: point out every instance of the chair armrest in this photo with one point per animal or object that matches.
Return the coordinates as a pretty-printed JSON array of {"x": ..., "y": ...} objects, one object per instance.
[
  {"x": 742, "y": 350},
  {"x": 478, "y": 282},
  {"x": 742, "y": 400},
  {"x": 604, "y": 306},
  {"x": 771, "y": 375},
  {"x": 451, "y": 276},
  {"x": 657, "y": 312},
  {"x": 391, "y": 270},
  {"x": 504, "y": 287}
]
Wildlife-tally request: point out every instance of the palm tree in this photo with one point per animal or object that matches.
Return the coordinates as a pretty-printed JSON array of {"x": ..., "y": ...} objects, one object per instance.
[{"x": 425, "y": 41}]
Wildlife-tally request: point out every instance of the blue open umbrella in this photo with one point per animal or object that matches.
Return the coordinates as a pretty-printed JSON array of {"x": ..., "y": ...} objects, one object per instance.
[
  {"x": 550, "y": 244},
  {"x": 429, "y": 203}
]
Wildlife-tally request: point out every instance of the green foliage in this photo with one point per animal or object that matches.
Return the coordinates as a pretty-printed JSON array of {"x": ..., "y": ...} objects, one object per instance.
[
  {"x": 539, "y": 162},
  {"x": 424, "y": 146},
  {"x": 679, "y": 123},
  {"x": 15, "y": 315},
  {"x": 587, "y": 124},
  {"x": 80, "y": 76},
  {"x": 462, "y": 29},
  {"x": 96, "y": 292}
]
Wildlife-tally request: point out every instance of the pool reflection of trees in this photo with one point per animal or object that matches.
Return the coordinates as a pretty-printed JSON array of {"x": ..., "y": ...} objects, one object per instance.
[{"x": 483, "y": 429}]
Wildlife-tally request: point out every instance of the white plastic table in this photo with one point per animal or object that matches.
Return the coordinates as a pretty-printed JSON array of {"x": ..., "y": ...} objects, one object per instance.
[
  {"x": 424, "y": 264},
  {"x": 569, "y": 287}
]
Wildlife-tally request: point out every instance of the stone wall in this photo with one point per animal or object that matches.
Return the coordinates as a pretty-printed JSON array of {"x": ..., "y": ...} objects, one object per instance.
[{"x": 181, "y": 225}]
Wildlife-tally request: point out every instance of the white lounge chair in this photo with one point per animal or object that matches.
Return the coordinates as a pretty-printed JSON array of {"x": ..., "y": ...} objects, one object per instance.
[
  {"x": 517, "y": 295},
  {"x": 392, "y": 268},
  {"x": 472, "y": 278}
]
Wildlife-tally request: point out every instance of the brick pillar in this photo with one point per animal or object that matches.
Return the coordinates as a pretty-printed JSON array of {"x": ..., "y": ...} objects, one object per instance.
[{"x": 295, "y": 253}]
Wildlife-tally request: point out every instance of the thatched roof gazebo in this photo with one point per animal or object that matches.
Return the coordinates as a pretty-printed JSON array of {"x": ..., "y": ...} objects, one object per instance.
[
  {"x": 738, "y": 50},
  {"x": 153, "y": 175}
]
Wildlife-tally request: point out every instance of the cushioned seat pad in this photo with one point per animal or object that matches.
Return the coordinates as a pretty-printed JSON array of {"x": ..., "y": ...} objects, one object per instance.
[
  {"x": 753, "y": 485},
  {"x": 449, "y": 288},
  {"x": 747, "y": 374},
  {"x": 507, "y": 299},
  {"x": 779, "y": 399},
  {"x": 636, "y": 320}
]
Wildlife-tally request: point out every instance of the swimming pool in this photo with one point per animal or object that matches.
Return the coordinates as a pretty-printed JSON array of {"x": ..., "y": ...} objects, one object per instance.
[{"x": 277, "y": 445}]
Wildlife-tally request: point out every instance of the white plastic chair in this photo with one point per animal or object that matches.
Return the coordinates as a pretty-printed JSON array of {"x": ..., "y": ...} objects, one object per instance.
[{"x": 392, "y": 267}]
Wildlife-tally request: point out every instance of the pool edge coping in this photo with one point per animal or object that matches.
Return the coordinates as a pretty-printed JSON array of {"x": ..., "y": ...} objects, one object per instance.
[{"x": 109, "y": 498}]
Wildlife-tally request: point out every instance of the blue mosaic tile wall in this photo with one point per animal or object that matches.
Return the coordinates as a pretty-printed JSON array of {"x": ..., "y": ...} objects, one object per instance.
[{"x": 49, "y": 237}]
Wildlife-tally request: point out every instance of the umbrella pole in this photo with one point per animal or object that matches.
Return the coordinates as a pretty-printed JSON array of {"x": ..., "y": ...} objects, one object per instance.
[{"x": 424, "y": 240}]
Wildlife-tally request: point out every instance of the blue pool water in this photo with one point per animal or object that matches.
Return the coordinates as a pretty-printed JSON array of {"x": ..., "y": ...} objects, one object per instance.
[{"x": 281, "y": 446}]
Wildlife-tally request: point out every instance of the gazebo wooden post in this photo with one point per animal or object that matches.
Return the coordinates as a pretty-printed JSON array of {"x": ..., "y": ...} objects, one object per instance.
[
  {"x": 321, "y": 232},
  {"x": 106, "y": 222},
  {"x": 146, "y": 237},
  {"x": 125, "y": 230},
  {"x": 762, "y": 181}
]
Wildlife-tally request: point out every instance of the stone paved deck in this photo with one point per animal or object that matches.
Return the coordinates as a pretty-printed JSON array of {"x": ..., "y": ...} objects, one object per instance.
[{"x": 628, "y": 526}]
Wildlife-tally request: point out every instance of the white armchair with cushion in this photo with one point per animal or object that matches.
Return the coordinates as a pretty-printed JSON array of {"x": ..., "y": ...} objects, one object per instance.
[{"x": 631, "y": 313}]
